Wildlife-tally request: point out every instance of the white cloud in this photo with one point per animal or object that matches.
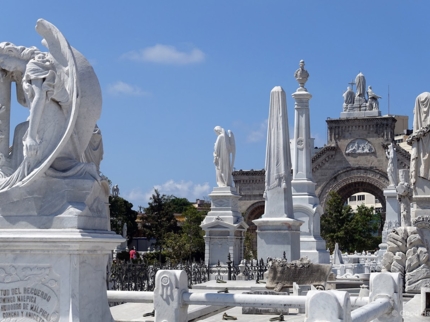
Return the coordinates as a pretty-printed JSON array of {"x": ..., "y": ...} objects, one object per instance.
[
  {"x": 164, "y": 54},
  {"x": 121, "y": 88},
  {"x": 258, "y": 134},
  {"x": 182, "y": 189}
]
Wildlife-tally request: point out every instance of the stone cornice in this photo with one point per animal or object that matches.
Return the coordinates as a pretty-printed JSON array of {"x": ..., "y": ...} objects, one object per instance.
[{"x": 323, "y": 156}]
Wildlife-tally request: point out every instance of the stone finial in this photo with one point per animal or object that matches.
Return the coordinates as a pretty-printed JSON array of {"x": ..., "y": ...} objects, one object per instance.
[{"x": 301, "y": 76}]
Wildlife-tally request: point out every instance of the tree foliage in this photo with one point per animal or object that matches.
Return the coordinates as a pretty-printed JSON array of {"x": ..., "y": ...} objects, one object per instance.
[
  {"x": 159, "y": 217},
  {"x": 187, "y": 244},
  {"x": 351, "y": 230},
  {"x": 121, "y": 212},
  {"x": 250, "y": 252}
]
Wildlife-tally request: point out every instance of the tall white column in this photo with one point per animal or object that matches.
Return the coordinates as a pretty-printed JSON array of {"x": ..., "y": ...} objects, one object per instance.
[{"x": 306, "y": 204}]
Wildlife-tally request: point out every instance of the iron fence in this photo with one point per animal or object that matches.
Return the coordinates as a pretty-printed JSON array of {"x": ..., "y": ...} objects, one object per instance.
[{"x": 129, "y": 276}]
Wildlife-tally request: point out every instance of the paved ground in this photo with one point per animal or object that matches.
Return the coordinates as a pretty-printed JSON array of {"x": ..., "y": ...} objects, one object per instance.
[{"x": 133, "y": 312}]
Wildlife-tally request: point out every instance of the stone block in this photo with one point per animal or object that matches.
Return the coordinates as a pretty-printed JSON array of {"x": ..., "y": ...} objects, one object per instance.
[{"x": 282, "y": 274}]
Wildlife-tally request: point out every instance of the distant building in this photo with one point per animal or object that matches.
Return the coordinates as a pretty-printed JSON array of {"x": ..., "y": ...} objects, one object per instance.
[{"x": 367, "y": 199}]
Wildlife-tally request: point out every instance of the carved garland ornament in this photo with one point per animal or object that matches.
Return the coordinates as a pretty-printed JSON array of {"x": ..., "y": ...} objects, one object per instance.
[{"x": 422, "y": 222}]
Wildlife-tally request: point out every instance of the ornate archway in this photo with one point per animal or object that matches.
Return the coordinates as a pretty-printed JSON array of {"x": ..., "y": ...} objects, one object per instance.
[
  {"x": 349, "y": 181},
  {"x": 255, "y": 211}
]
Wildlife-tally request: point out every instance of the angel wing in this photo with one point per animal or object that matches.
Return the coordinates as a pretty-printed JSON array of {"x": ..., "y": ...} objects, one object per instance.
[
  {"x": 65, "y": 62},
  {"x": 232, "y": 147}
]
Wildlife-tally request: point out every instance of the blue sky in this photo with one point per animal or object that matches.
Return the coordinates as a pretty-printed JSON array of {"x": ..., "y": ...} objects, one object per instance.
[{"x": 170, "y": 71}]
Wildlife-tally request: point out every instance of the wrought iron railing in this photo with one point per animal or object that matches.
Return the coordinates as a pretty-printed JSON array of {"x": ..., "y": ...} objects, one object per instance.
[{"x": 129, "y": 276}]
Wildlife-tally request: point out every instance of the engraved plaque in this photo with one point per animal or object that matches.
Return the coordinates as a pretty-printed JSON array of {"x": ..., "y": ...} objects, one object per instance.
[{"x": 28, "y": 293}]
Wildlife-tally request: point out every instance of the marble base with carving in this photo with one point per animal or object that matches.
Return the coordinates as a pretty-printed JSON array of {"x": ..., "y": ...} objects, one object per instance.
[
  {"x": 308, "y": 210},
  {"x": 421, "y": 199},
  {"x": 224, "y": 227},
  {"x": 278, "y": 235},
  {"x": 55, "y": 275},
  {"x": 55, "y": 237}
]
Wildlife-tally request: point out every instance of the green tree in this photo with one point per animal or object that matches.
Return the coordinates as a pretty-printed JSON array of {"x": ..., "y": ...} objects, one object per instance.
[
  {"x": 352, "y": 231},
  {"x": 159, "y": 216},
  {"x": 176, "y": 247},
  {"x": 193, "y": 232},
  {"x": 250, "y": 251},
  {"x": 189, "y": 243},
  {"x": 121, "y": 212}
]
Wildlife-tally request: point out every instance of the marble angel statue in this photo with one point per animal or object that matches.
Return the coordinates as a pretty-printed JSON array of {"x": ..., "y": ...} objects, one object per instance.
[
  {"x": 224, "y": 155},
  {"x": 60, "y": 138}
]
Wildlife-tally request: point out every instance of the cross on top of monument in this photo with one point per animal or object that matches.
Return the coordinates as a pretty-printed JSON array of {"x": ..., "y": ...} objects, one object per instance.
[{"x": 352, "y": 83}]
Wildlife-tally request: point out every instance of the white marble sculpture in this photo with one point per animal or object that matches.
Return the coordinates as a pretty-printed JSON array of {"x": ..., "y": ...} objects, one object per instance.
[
  {"x": 348, "y": 98},
  {"x": 373, "y": 103},
  {"x": 392, "y": 164},
  {"x": 360, "y": 92},
  {"x": 224, "y": 155},
  {"x": 60, "y": 139},
  {"x": 404, "y": 193},
  {"x": 301, "y": 75},
  {"x": 54, "y": 208},
  {"x": 420, "y": 160},
  {"x": 115, "y": 191}
]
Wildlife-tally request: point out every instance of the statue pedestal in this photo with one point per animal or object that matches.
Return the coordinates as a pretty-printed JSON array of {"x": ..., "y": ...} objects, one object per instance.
[
  {"x": 392, "y": 217},
  {"x": 224, "y": 227},
  {"x": 357, "y": 113},
  {"x": 278, "y": 235},
  {"x": 56, "y": 274},
  {"x": 421, "y": 199}
]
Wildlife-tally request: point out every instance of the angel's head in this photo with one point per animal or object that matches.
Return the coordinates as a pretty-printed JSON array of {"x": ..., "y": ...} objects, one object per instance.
[
  {"x": 13, "y": 58},
  {"x": 218, "y": 129}
]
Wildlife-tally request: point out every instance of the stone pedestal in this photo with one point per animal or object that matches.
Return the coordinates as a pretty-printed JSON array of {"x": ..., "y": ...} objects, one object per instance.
[
  {"x": 55, "y": 274},
  {"x": 224, "y": 227},
  {"x": 278, "y": 235},
  {"x": 357, "y": 113},
  {"x": 392, "y": 217},
  {"x": 306, "y": 204}
]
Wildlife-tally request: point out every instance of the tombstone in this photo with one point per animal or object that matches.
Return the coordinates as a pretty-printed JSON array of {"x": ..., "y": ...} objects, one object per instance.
[{"x": 54, "y": 214}]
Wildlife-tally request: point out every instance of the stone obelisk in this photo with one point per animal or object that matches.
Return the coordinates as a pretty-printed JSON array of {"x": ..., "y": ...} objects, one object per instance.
[
  {"x": 277, "y": 229},
  {"x": 306, "y": 204}
]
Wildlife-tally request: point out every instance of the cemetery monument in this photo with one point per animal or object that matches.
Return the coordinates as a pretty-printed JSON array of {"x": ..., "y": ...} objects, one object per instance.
[
  {"x": 55, "y": 239},
  {"x": 306, "y": 203},
  {"x": 224, "y": 225},
  {"x": 277, "y": 229}
]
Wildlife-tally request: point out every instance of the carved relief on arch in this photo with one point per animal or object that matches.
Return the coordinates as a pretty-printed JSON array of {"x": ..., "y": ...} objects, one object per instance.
[
  {"x": 349, "y": 181},
  {"x": 359, "y": 146}
]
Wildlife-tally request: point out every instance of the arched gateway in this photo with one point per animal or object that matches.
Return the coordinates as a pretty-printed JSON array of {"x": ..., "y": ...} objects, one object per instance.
[{"x": 353, "y": 160}]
